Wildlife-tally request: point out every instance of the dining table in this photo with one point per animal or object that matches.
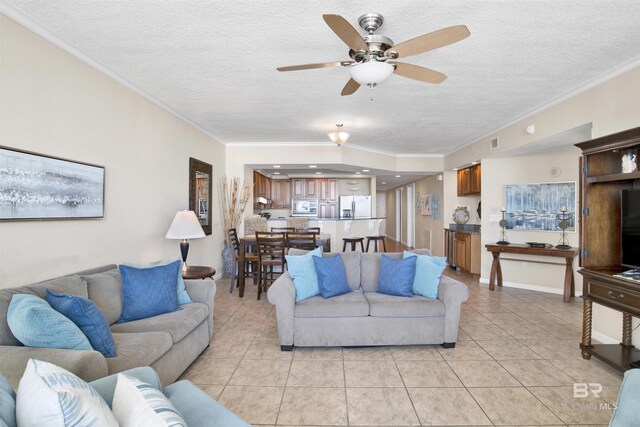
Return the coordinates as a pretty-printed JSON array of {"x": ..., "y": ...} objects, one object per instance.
[{"x": 245, "y": 243}]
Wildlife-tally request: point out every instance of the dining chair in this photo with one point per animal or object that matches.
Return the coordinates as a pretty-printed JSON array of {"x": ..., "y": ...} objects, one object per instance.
[
  {"x": 282, "y": 229},
  {"x": 271, "y": 261},
  {"x": 310, "y": 229},
  {"x": 302, "y": 240},
  {"x": 250, "y": 260}
]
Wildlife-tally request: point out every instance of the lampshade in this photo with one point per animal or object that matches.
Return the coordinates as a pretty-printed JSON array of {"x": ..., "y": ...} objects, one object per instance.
[
  {"x": 185, "y": 225},
  {"x": 339, "y": 136},
  {"x": 371, "y": 72}
]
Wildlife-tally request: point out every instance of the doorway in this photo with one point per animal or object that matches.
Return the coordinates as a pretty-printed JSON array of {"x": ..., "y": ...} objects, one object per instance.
[
  {"x": 411, "y": 216},
  {"x": 399, "y": 214}
]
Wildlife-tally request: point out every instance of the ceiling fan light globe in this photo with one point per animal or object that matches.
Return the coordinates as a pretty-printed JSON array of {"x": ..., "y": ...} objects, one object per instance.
[
  {"x": 339, "y": 138},
  {"x": 371, "y": 72}
]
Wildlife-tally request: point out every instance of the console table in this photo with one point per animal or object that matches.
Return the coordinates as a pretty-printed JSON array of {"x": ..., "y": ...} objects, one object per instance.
[
  {"x": 602, "y": 287},
  {"x": 515, "y": 248}
]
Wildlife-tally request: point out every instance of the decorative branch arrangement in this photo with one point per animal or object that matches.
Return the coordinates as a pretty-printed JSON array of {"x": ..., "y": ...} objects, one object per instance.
[{"x": 234, "y": 195}]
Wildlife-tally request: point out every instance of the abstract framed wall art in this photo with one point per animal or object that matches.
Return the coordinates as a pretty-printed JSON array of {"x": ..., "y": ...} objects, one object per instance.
[
  {"x": 536, "y": 207},
  {"x": 40, "y": 187}
]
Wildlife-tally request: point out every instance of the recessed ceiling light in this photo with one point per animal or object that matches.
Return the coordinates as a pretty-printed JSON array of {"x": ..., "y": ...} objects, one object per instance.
[
  {"x": 474, "y": 163},
  {"x": 276, "y": 166},
  {"x": 276, "y": 173},
  {"x": 455, "y": 169},
  {"x": 383, "y": 182},
  {"x": 358, "y": 173},
  {"x": 313, "y": 166},
  {"x": 365, "y": 170},
  {"x": 318, "y": 173},
  {"x": 398, "y": 176}
]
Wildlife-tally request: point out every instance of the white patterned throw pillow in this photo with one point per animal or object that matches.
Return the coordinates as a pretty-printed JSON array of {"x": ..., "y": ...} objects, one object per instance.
[
  {"x": 51, "y": 396},
  {"x": 138, "y": 404}
]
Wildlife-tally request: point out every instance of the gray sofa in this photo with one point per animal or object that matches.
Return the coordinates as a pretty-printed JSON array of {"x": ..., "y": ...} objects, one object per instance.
[
  {"x": 365, "y": 317},
  {"x": 169, "y": 342},
  {"x": 195, "y": 406}
]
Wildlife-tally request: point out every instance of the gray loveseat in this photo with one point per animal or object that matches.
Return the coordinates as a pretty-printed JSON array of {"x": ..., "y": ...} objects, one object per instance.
[
  {"x": 365, "y": 317},
  {"x": 169, "y": 342}
]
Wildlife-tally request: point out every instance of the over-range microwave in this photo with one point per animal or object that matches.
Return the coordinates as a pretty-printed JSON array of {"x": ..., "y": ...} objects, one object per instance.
[{"x": 304, "y": 207}]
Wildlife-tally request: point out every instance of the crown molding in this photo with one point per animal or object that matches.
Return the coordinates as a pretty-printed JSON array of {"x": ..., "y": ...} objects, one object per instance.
[
  {"x": 590, "y": 84},
  {"x": 34, "y": 26}
]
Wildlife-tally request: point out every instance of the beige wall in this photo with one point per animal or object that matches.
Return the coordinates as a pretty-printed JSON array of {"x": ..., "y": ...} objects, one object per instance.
[
  {"x": 52, "y": 103},
  {"x": 423, "y": 224},
  {"x": 610, "y": 107}
]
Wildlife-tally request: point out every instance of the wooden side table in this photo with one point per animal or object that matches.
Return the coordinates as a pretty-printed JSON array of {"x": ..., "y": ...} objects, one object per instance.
[{"x": 198, "y": 272}]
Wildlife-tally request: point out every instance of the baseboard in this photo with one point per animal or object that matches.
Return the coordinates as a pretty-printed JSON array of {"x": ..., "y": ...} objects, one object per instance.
[
  {"x": 528, "y": 287},
  {"x": 605, "y": 339}
]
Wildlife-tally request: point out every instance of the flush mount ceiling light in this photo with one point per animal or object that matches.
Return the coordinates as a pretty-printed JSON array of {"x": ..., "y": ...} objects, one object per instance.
[
  {"x": 276, "y": 166},
  {"x": 365, "y": 170},
  {"x": 339, "y": 137},
  {"x": 313, "y": 166}
]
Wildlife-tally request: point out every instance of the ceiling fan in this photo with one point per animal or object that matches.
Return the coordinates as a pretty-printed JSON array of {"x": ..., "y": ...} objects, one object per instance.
[{"x": 373, "y": 58}]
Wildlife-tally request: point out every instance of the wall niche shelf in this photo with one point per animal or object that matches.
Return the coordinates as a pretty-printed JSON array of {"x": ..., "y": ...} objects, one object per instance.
[{"x": 611, "y": 177}]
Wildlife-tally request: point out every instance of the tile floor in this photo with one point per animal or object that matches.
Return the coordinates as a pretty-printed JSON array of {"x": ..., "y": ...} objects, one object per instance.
[{"x": 515, "y": 363}]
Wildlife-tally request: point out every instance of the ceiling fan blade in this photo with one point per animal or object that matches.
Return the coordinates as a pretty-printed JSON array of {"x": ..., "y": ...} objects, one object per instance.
[
  {"x": 311, "y": 66},
  {"x": 421, "y": 74},
  {"x": 431, "y": 41},
  {"x": 346, "y": 32},
  {"x": 350, "y": 87}
]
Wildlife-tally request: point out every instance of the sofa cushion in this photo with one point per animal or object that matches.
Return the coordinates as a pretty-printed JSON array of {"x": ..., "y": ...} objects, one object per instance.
[
  {"x": 36, "y": 324},
  {"x": 7, "y": 404},
  {"x": 177, "y": 323},
  {"x": 183, "y": 296},
  {"x": 136, "y": 403},
  {"x": 86, "y": 315},
  {"x": 148, "y": 292},
  {"x": 370, "y": 267},
  {"x": 105, "y": 289},
  {"x": 303, "y": 273},
  {"x": 353, "y": 304},
  {"x": 139, "y": 349},
  {"x": 396, "y": 276},
  {"x": 332, "y": 278},
  {"x": 381, "y": 305},
  {"x": 428, "y": 273},
  {"x": 65, "y": 285}
]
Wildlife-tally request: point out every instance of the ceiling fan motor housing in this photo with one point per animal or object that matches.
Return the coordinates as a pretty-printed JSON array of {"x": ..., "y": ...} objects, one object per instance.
[
  {"x": 370, "y": 22},
  {"x": 377, "y": 47}
]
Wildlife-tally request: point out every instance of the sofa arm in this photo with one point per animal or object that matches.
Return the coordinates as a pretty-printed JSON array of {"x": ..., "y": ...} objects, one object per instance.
[
  {"x": 452, "y": 293},
  {"x": 87, "y": 364},
  {"x": 203, "y": 291},
  {"x": 107, "y": 386},
  {"x": 282, "y": 294}
]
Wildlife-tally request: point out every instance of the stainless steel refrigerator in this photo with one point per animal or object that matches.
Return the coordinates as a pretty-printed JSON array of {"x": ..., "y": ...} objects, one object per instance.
[{"x": 355, "y": 207}]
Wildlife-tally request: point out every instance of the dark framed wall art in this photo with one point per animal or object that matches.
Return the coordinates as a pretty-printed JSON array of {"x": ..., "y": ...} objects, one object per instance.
[
  {"x": 41, "y": 187},
  {"x": 200, "y": 175}
]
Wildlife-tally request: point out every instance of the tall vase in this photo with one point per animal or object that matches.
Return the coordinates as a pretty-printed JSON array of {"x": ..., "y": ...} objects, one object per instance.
[{"x": 227, "y": 260}]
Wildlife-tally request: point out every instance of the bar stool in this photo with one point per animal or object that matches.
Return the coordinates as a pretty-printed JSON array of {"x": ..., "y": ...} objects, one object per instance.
[
  {"x": 375, "y": 240},
  {"x": 353, "y": 241}
]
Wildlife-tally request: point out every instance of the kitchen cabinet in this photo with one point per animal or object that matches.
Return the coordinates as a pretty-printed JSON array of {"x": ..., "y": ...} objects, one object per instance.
[
  {"x": 469, "y": 181},
  {"x": 261, "y": 188},
  {"x": 298, "y": 187},
  {"x": 311, "y": 188},
  {"x": 280, "y": 194},
  {"x": 327, "y": 189},
  {"x": 304, "y": 188},
  {"x": 462, "y": 250}
]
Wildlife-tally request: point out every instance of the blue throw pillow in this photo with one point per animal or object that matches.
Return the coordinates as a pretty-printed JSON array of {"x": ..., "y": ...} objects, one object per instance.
[
  {"x": 7, "y": 404},
  {"x": 428, "y": 273},
  {"x": 85, "y": 314},
  {"x": 183, "y": 296},
  {"x": 303, "y": 272},
  {"x": 35, "y": 324},
  {"x": 147, "y": 292},
  {"x": 332, "y": 278},
  {"x": 396, "y": 276}
]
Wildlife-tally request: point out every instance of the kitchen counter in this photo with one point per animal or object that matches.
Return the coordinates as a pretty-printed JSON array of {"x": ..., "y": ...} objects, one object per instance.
[
  {"x": 464, "y": 228},
  {"x": 328, "y": 219}
]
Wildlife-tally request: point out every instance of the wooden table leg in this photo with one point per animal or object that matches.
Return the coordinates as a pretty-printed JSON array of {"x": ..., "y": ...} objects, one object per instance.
[
  {"x": 586, "y": 328},
  {"x": 626, "y": 330},
  {"x": 495, "y": 266},
  {"x": 241, "y": 269},
  {"x": 568, "y": 281},
  {"x": 499, "y": 271}
]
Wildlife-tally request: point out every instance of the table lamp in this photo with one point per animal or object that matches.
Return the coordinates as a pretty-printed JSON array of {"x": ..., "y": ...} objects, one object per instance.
[{"x": 185, "y": 226}]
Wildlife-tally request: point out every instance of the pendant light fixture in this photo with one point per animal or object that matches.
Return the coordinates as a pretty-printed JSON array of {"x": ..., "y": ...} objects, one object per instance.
[{"x": 339, "y": 136}]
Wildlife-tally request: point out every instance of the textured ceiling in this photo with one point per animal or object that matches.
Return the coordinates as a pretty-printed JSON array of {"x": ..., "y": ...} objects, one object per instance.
[{"x": 214, "y": 62}]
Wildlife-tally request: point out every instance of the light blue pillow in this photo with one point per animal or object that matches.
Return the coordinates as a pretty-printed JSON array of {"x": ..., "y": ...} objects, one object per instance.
[
  {"x": 396, "y": 276},
  {"x": 428, "y": 273},
  {"x": 183, "y": 296},
  {"x": 303, "y": 272},
  {"x": 35, "y": 324},
  {"x": 85, "y": 314},
  {"x": 332, "y": 278},
  {"x": 7, "y": 403},
  {"x": 148, "y": 292}
]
